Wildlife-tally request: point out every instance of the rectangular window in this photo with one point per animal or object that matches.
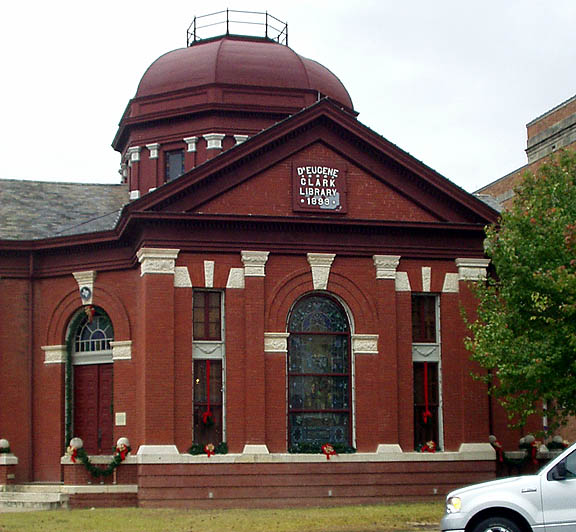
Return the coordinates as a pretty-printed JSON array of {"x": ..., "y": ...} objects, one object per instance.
[
  {"x": 174, "y": 164},
  {"x": 208, "y": 401},
  {"x": 423, "y": 319},
  {"x": 207, "y": 315},
  {"x": 426, "y": 371}
]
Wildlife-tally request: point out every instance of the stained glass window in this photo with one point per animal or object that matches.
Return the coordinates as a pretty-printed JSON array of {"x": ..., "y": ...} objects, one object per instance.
[
  {"x": 95, "y": 334},
  {"x": 319, "y": 391}
]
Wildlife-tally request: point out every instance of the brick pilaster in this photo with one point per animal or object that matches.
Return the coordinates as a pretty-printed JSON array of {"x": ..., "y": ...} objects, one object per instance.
[
  {"x": 156, "y": 340},
  {"x": 255, "y": 369}
]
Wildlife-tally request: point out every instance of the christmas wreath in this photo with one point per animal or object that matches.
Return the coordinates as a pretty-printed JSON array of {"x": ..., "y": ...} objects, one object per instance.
[{"x": 209, "y": 449}]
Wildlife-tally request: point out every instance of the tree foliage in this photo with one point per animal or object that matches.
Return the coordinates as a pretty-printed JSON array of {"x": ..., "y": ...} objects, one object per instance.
[{"x": 525, "y": 330}]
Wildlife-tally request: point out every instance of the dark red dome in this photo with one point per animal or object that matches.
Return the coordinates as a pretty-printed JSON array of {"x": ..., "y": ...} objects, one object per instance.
[{"x": 240, "y": 62}]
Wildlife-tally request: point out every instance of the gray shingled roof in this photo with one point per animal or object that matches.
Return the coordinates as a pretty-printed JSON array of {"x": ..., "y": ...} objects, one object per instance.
[{"x": 31, "y": 210}]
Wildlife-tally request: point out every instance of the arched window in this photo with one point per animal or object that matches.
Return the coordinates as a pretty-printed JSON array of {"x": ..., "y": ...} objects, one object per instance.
[
  {"x": 93, "y": 336},
  {"x": 319, "y": 387}
]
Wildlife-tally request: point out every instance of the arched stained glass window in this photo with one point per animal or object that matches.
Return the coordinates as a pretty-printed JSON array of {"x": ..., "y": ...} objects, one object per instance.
[
  {"x": 92, "y": 338},
  {"x": 94, "y": 334},
  {"x": 319, "y": 390}
]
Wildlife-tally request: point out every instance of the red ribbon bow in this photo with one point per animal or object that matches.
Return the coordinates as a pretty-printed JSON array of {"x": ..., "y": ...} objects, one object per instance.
[
  {"x": 328, "y": 450},
  {"x": 122, "y": 450},
  {"x": 209, "y": 450}
]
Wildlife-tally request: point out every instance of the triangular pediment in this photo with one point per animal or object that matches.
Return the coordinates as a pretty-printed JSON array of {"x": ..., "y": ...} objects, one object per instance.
[{"x": 320, "y": 163}]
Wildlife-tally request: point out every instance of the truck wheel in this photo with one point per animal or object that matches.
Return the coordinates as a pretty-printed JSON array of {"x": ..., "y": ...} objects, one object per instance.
[{"x": 497, "y": 524}]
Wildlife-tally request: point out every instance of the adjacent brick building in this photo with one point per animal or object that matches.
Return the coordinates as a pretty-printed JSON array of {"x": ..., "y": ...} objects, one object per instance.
[
  {"x": 552, "y": 131},
  {"x": 270, "y": 274}
]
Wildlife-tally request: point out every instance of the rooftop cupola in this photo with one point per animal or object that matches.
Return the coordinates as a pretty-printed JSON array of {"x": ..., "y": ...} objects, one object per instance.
[{"x": 236, "y": 77}]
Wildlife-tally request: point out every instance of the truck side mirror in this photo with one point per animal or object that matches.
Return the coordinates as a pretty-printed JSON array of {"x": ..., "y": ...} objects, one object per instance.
[{"x": 559, "y": 471}]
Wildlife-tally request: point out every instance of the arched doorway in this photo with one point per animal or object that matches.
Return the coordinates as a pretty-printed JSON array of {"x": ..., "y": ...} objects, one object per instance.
[
  {"x": 93, "y": 381},
  {"x": 319, "y": 374}
]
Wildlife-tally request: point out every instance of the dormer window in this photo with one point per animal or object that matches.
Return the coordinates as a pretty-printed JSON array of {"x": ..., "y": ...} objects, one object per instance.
[{"x": 174, "y": 162}]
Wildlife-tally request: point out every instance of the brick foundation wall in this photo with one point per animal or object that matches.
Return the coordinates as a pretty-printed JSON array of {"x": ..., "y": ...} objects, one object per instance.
[{"x": 303, "y": 484}]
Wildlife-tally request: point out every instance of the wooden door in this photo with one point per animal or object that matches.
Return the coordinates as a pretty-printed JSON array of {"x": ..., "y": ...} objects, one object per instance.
[{"x": 93, "y": 422}]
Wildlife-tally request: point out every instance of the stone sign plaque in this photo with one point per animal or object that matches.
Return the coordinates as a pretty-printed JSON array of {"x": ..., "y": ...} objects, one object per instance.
[{"x": 319, "y": 187}]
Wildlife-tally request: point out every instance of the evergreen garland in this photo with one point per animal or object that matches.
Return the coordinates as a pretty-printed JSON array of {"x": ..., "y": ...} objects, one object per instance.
[
  {"x": 5, "y": 450},
  {"x": 70, "y": 339},
  {"x": 198, "y": 448},
  {"x": 100, "y": 471},
  {"x": 316, "y": 448}
]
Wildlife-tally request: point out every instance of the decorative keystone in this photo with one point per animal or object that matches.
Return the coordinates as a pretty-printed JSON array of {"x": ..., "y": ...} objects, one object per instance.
[
  {"x": 85, "y": 282},
  {"x": 320, "y": 263}
]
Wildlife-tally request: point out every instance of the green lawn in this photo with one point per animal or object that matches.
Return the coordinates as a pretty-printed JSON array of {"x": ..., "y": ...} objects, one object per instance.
[{"x": 394, "y": 517}]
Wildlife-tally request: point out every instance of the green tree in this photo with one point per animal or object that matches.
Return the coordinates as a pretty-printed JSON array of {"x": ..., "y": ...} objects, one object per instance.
[{"x": 525, "y": 330}]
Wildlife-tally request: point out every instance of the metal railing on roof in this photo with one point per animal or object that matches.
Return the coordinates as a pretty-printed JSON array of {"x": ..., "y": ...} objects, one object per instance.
[{"x": 234, "y": 22}]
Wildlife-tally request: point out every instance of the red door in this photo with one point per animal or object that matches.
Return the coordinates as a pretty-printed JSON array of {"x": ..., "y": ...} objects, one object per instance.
[{"x": 93, "y": 386}]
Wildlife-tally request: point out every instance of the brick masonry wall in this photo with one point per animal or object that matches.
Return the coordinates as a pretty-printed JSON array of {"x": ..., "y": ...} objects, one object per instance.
[
  {"x": 15, "y": 414},
  {"x": 270, "y": 193},
  {"x": 303, "y": 484}
]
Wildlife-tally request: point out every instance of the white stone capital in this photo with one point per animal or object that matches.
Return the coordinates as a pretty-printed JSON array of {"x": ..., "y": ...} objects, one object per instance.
[
  {"x": 153, "y": 149},
  {"x": 254, "y": 263},
  {"x": 386, "y": 266},
  {"x": 121, "y": 350},
  {"x": 214, "y": 140},
  {"x": 134, "y": 153},
  {"x": 276, "y": 342},
  {"x": 54, "y": 354},
  {"x": 472, "y": 269},
  {"x": 240, "y": 138},
  {"x": 156, "y": 260},
  {"x": 365, "y": 344},
  {"x": 191, "y": 143}
]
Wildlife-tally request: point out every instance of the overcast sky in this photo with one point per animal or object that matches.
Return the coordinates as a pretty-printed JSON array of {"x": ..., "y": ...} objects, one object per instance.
[{"x": 452, "y": 82}]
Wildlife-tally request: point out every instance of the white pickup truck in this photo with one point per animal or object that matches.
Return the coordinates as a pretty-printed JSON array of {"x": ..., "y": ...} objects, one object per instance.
[{"x": 544, "y": 502}]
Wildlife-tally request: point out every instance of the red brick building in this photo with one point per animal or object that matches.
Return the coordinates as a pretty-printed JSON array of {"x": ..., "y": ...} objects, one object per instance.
[
  {"x": 554, "y": 130},
  {"x": 270, "y": 273}
]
